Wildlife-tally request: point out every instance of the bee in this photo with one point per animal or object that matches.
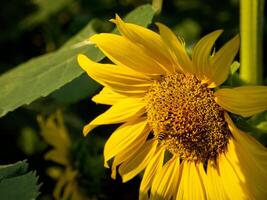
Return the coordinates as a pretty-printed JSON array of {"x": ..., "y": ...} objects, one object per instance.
[{"x": 162, "y": 136}]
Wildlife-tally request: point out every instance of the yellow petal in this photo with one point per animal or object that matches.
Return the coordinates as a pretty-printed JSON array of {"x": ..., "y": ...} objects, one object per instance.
[
  {"x": 245, "y": 100},
  {"x": 176, "y": 48},
  {"x": 120, "y": 79},
  {"x": 54, "y": 172},
  {"x": 202, "y": 53},
  {"x": 249, "y": 167},
  {"x": 68, "y": 191},
  {"x": 176, "y": 182},
  {"x": 60, "y": 187},
  {"x": 123, "y": 52},
  {"x": 163, "y": 184},
  {"x": 132, "y": 167},
  {"x": 190, "y": 186},
  {"x": 55, "y": 134},
  {"x": 153, "y": 168},
  {"x": 123, "y": 137},
  {"x": 108, "y": 97},
  {"x": 148, "y": 40},
  {"x": 249, "y": 143},
  {"x": 70, "y": 185},
  {"x": 57, "y": 156},
  {"x": 130, "y": 152},
  {"x": 124, "y": 110},
  {"x": 54, "y": 131},
  {"x": 235, "y": 186},
  {"x": 222, "y": 60},
  {"x": 213, "y": 182}
]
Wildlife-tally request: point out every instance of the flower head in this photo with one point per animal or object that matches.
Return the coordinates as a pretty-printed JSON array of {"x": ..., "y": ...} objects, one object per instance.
[{"x": 174, "y": 115}]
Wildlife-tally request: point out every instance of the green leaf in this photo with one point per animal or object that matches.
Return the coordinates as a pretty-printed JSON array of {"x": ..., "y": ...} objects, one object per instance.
[
  {"x": 42, "y": 75},
  {"x": 17, "y": 183},
  {"x": 142, "y": 15},
  {"x": 18, "y": 168},
  {"x": 256, "y": 126},
  {"x": 78, "y": 89}
]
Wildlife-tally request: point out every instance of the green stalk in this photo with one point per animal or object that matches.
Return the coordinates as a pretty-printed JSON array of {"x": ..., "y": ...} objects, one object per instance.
[
  {"x": 157, "y": 5},
  {"x": 251, "y": 16}
]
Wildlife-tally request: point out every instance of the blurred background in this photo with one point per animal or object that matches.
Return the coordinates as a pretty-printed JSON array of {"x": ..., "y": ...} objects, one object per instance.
[{"x": 30, "y": 28}]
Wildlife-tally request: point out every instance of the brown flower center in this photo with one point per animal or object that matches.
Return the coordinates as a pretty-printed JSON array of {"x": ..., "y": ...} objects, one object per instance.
[{"x": 185, "y": 118}]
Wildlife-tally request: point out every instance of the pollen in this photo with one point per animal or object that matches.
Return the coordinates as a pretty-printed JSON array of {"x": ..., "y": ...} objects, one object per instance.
[{"x": 185, "y": 117}]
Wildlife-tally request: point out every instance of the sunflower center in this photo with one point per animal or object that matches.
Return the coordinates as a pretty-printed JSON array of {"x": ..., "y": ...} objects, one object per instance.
[{"x": 185, "y": 118}]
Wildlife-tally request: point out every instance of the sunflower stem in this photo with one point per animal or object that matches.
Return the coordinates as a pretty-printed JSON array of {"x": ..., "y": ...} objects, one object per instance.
[
  {"x": 157, "y": 5},
  {"x": 251, "y": 16}
]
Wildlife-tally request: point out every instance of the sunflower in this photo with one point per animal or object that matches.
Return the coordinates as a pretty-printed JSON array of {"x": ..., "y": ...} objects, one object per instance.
[
  {"x": 55, "y": 134},
  {"x": 174, "y": 116}
]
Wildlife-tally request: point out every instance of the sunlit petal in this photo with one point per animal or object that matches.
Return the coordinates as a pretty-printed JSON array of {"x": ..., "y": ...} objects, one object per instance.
[
  {"x": 190, "y": 186},
  {"x": 147, "y": 40},
  {"x": 108, "y": 96},
  {"x": 177, "y": 49},
  {"x": 132, "y": 167},
  {"x": 245, "y": 100},
  {"x": 233, "y": 184},
  {"x": 220, "y": 63},
  {"x": 120, "y": 79},
  {"x": 163, "y": 183},
  {"x": 123, "y": 137},
  {"x": 124, "y": 110},
  {"x": 130, "y": 152},
  {"x": 152, "y": 169},
  {"x": 202, "y": 53},
  {"x": 123, "y": 52}
]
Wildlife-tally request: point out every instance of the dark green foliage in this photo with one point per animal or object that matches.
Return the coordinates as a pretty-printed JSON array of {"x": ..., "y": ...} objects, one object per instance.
[{"x": 16, "y": 182}]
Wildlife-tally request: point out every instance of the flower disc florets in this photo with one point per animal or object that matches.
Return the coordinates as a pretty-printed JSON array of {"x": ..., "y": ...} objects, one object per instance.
[{"x": 185, "y": 117}]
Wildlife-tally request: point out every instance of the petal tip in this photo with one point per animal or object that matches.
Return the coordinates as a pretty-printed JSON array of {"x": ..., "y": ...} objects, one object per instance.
[
  {"x": 85, "y": 130},
  {"x": 221, "y": 30},
  {"x": 83, "y": 61},
  {"x": 113, "y": 174},
  {"x": 159, "y": 24},
  {"x": 236, "y": 40},
  {"x": 125, "y": 179},
  {"x": 93, "y": 38},
  {"x": 117, "y": 17},
  {"x": 116, "y": 20},
  {"x": 97, "y": 38},
  {"x": 106, "y": 164},
  {"x": 215, "y": 34}
]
